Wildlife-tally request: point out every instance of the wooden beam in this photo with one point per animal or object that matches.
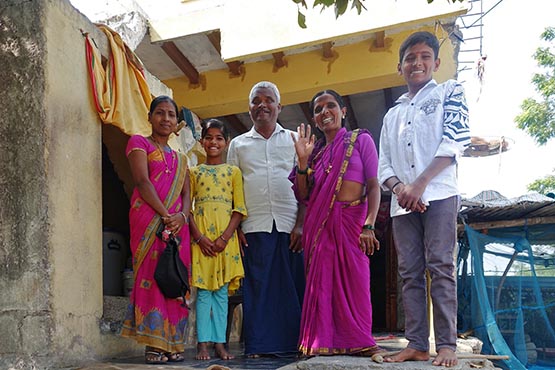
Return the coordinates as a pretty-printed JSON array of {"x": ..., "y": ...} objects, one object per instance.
[
  {"x": 380, "y": 39},
  {"x": 351, "y": 117},
  {"x": 327, "y": 51},
  {"x": 278, "y": 59},
  {"x": 235, "y": 123},
  {"x": 181, "y": 62},
  {"x": 215, "y": 38},
  {"x": 508, "y": 223}
]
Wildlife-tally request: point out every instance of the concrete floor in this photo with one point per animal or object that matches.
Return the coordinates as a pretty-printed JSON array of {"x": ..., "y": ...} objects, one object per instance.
[{"x": 389, "y": 342}]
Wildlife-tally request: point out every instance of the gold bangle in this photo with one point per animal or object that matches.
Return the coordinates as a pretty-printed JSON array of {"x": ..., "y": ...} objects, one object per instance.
[
  {"x": 199, "y": 238},
  {"x": 221, "y": 237}
]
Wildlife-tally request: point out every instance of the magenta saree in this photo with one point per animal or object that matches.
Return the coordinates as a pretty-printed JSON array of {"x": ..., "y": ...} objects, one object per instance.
[
  {"x": 337, "y": 312},
  {"x": 152, "y": 319}
]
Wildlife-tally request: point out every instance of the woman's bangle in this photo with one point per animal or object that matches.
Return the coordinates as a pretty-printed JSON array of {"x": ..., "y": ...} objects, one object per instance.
[
  {"x": 199, "y": 238},
  {"x": 393, "y": 187},
  {"x": 368, "y": 227},
  {"x": 221, "y": 237},
  {"x": 302, "y": 172},
  {"x": 185, "y": 217}
]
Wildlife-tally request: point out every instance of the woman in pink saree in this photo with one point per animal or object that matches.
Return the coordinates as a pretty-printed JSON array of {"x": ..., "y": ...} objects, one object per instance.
[
  {"x": 161, "y": 195},
  {"x": 336, "y": 176}
]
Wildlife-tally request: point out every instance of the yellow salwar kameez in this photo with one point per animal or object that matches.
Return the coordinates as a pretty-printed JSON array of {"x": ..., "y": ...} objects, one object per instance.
[{"x": 217, "y": 192}]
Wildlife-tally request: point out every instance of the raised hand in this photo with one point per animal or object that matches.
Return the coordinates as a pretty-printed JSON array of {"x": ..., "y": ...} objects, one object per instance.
[{"x": 304, "y": 144}]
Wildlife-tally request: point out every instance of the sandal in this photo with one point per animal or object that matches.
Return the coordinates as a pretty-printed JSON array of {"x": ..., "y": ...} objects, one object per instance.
[
  {"x": 153, "y": 357},
  {"x": 175, "y": 357}
]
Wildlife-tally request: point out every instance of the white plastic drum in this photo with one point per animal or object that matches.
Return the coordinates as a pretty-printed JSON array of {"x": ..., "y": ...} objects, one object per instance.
[{"x": 114, "y": 254}]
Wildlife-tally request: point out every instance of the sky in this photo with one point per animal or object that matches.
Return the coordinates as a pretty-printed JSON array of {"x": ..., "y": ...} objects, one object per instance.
[{"x": 511, "y": 35}]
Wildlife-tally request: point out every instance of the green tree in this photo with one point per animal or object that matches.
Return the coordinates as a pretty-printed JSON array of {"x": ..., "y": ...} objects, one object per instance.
[
  {"x": 340, "y": 7},
  {"x": 544, "y": 185},
  {"x": 538, "y": 116}
]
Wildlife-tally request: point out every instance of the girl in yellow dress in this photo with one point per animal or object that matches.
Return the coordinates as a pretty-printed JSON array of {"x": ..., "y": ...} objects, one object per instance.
[{"x": 219, "y": 207}]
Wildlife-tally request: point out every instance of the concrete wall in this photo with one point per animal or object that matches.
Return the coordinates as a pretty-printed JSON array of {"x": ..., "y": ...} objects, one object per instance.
[
  {"x": 26, "y": 320},
  {"x": 50, "y": 176}
]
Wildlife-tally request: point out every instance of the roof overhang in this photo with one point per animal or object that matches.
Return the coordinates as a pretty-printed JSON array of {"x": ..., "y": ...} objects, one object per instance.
[{"x": 246, "y": 41}]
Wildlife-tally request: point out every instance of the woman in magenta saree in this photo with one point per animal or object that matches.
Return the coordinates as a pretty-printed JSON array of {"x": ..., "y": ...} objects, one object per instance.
[
  {"x": 161, "y": 195},
  {"x": 336, "y": 176}
]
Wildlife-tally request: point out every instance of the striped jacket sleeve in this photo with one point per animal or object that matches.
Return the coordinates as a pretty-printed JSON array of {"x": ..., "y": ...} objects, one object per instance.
[{"x": 456, "y": 133}]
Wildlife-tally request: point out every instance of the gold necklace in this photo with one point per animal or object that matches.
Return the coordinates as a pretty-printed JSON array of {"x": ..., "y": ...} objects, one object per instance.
[
  {"x": 320, "y": 156},
  {"x": 330, "y": 163},
  {"x": 159, "y": 147}
]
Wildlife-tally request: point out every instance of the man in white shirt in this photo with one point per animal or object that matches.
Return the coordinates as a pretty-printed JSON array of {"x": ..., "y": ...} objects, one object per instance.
[{"x": 273, "y": 287}]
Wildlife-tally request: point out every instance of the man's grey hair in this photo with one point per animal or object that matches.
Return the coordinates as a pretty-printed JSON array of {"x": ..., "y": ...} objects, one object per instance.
[{"x": 267, "y": 85}]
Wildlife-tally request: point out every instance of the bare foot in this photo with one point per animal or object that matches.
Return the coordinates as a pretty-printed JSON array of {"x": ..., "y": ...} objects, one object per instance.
[
  {"x": 222, "y": 353},
  {"x": 408, "y": 354},
  {"x": 445, "y": 357},
  {"x": 253, "y": 356},
  {"x": 202, "y": 351}
]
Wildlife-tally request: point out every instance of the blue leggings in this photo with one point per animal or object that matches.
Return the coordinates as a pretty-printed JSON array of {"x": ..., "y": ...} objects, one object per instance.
[{"x": 212, "y": 315}]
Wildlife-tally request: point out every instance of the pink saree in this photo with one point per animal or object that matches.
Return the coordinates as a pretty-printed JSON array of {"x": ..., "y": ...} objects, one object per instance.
[
  {"x": 337, "y": 312},
  {"x": 152, "y": 319}
]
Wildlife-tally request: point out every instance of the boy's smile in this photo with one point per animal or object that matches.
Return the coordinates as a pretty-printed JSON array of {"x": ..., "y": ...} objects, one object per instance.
[{"x": 417, "y": 67}]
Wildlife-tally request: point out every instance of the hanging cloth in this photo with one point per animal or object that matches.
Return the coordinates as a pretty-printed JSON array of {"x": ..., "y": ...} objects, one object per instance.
[{"x": 120, "y": 92}]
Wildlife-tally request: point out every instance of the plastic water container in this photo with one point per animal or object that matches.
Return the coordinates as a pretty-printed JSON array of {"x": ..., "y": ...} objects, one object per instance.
[
  {"x": 114, "y": 254},
  {"x": 127, "y": 278}
]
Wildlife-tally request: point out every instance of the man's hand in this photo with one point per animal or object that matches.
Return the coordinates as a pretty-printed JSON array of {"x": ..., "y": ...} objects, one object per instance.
[
  {"x": 410, "y": 197},
  {"x": 242, "y": 241},
  {"x": 296, "y": 243}
]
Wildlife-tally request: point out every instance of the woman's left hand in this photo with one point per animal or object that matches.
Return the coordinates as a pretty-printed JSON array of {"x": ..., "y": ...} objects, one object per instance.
[{"x": 368, "y": 242}]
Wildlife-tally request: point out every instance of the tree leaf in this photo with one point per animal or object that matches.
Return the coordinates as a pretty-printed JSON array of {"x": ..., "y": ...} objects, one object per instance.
[
  {"x": 544, "y": 185},
  {"x": 537, "y": 117},
  {"x": 340, "y": 7},
  {"x": 301, "y": 19}
]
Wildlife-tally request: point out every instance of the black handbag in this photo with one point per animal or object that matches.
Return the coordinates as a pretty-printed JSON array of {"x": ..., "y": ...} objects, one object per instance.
[{"x": 171, "y": 274}]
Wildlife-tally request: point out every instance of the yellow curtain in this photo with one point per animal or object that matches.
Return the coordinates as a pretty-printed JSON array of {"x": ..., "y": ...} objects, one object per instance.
[{"x": 120, "y": 91}]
